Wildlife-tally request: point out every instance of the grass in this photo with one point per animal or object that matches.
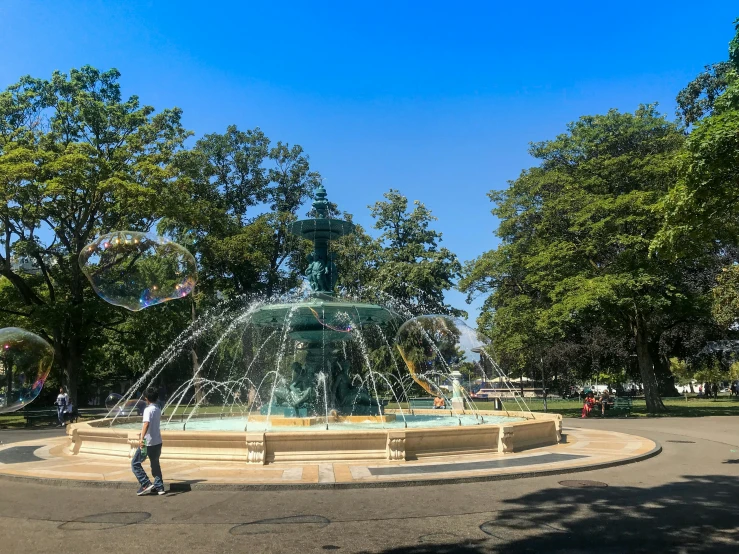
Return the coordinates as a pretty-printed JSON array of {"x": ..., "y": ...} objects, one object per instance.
[{"x": 676, "y": 407}]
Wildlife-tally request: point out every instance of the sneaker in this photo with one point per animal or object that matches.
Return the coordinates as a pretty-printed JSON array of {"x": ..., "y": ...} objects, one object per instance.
[
  {"x": 144, "y": 490},
  {"x": 161, "y": 492}
]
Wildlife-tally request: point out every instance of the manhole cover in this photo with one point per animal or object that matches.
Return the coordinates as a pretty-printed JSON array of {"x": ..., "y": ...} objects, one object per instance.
[
  {"x": 109, "y": 520},
  {"x": 582, "y": 483},
  {"x": 290, "y": 524},
  {"x": 683, "y": 442}
]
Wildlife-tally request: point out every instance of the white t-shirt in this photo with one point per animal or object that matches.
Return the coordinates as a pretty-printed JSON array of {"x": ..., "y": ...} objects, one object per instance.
[
  {"x": 152, "y": 413},
  {"x": 62, "y": 399}
]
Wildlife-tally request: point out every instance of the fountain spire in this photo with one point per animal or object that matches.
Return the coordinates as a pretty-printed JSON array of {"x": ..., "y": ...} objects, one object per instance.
[{"x": 322, "y": 273}]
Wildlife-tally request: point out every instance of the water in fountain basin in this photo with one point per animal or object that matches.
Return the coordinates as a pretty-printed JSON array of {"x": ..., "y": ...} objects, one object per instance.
[{"x": 413, "y": 422}]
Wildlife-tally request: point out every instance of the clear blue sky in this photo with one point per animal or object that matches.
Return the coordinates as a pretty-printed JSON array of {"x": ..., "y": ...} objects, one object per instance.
[{"x": 436, "y": 99}]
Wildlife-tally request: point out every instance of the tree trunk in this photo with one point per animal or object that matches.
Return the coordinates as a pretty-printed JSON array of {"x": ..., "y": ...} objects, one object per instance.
[
  {"x": 71, "y": 371},
  {"x": 646, "y": 368},
  {"x": 665, "y": 378}
]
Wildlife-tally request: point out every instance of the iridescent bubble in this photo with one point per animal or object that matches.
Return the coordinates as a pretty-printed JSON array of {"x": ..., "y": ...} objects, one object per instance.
[
  {"x": 137, "y": 270},
  {"x": 433, "y": 346},
  {"x": 25, "y": 360},
  {"x": 133, "y": 406},
  {"x": 341, "y": 322}
]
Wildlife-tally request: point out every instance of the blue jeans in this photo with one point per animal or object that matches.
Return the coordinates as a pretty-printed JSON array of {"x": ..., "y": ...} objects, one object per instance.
[
  {"x": 60, "y": 414},
  {"x": 153, "y": 453}
]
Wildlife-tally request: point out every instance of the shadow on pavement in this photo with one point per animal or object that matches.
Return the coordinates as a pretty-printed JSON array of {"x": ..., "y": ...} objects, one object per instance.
[{"x": 699, "y": 514}]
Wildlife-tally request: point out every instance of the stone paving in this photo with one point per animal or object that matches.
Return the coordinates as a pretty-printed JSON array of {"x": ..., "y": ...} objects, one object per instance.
[
  {"x": 582, "y": 449},
  {"x": 684, "y": 500}
]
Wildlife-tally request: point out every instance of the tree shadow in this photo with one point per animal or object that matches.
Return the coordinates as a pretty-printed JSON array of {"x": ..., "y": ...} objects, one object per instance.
[{"x": 699, "y": 514}]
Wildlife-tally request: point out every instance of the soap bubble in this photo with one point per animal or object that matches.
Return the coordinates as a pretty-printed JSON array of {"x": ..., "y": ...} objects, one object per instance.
[
  {"x": 433, "y": 346},
  {"x": 25, "y": 360},
  {"x": 138, "y": 270},
  {"x": 132, "y": 406}
]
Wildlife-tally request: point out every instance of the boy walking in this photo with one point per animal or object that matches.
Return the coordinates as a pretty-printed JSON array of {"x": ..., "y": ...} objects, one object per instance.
[
  {"x": 61, "y": 406},
  {"x": 151, "y": 443}
]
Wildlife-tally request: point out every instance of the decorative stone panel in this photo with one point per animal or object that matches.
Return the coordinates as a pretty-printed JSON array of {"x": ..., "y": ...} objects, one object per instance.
[
  {"x": 558, "y": 425},
  {"x": 255, "y": 448},
  {"x": 505, "y": 439},
  {"x": 396, "y": 446}
]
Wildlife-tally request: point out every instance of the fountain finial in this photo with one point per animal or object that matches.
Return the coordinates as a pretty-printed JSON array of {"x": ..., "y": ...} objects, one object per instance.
[{"x": 320, "y": 204}]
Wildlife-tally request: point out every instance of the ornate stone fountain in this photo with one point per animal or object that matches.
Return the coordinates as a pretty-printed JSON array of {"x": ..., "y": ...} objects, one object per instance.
[
  {"x": 319, "y": 325},
  {"x": 315, "y": 408}
]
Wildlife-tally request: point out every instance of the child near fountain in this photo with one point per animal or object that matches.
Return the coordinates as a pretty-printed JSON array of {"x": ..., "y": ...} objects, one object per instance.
[{"x": 150, "y": 445}]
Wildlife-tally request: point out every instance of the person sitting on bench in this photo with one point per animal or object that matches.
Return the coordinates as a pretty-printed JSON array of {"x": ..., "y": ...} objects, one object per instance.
[
  {"x": 588, "y": 405},
  {"x": 605, "y": 401}
]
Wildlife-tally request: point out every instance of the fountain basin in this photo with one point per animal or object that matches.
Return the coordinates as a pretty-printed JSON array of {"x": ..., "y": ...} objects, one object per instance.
[{"x": 512, "y": 432}]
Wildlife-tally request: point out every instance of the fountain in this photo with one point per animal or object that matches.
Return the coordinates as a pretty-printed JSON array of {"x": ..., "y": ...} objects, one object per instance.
[{"x": 299, "y": 380}]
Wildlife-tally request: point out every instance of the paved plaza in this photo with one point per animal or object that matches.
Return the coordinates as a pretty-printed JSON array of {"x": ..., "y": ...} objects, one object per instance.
[
  {"x": 47, "y": 458},
  {"x": 685, "y": 499}
]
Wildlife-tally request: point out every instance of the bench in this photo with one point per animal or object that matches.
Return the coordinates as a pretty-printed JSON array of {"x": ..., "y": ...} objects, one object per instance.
[
  {"x": 423, "y": 403},
  {"x": 48, "y": 414},
  {"x": 622, "y": 404}
]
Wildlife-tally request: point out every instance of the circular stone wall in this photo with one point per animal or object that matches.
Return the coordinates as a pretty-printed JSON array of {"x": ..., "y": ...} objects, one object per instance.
[{"x": 263, "y": 447}]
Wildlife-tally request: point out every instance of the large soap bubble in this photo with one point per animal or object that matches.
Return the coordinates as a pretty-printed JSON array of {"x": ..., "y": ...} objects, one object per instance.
[
  {"x": 114, "y": 403},
  {"x": 25, "y": 360},
  {"x": 138, "y": 270},
  {"x": 433, "y": 346}
]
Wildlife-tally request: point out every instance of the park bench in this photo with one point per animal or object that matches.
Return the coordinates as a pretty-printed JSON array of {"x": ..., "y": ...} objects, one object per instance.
[
  {"x": 421, "y": 403},
  {"x": 622, "y": 404},
  {"x": 46, "y": 414}
]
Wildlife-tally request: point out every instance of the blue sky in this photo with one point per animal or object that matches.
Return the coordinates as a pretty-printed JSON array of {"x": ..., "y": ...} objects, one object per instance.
[{"x": 438, "y": 100}]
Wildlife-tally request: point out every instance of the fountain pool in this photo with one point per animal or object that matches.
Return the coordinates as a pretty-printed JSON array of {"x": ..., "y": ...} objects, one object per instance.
[{"x": 319, "y": 424}]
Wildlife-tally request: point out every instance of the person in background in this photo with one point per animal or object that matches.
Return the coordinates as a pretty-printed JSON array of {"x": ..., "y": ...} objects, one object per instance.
[
  {"x": 150, "y": 445},
  {"x": 587, "y": 407},
  {"x": 605, "y": 398},
  {"x": 439, "y": 403},
  {"x": 62, "y": 400},
  {"x": 70, "y": 413}
]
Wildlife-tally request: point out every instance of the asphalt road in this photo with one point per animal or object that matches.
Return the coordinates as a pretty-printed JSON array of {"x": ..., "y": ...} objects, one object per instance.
[{"x": 684, "y": 500}]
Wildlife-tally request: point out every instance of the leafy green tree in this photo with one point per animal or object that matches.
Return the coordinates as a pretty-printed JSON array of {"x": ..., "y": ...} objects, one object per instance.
[
  {"x": 412, "y": 267},
  {"x": 726, "y": 298},
  {"x": 576, "y": 233},
  {"x": 225, "y": 182},
  {"x": 700, "y": 210},
  {"x": 76, "y": 161}
]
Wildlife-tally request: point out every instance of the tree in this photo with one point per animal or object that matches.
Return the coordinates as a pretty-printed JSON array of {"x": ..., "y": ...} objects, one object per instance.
[
  {"x": 411, "y": 267},
  {"x": 700, "y": 210},
  {"x": 576, "y": 233},
  {"x": 76, "y": 161}
]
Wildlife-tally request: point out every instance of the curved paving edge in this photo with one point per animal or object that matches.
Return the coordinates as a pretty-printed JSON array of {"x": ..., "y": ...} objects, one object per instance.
[{"x": 180, "y": 486}]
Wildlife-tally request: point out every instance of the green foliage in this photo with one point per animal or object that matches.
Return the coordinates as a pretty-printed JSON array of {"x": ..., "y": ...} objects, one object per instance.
[
  {"x": 726, "y": 298},
  {"x": 76, "y": 161},
  {"x": 576, "y": 232},
  {"x": 411, "y": 267},
  {"x": 700, "y": 208}
]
